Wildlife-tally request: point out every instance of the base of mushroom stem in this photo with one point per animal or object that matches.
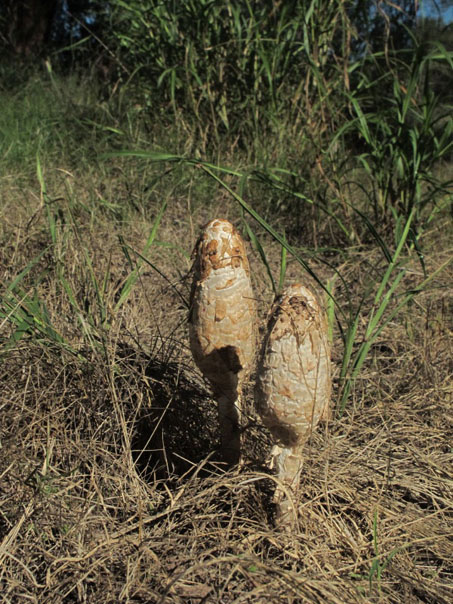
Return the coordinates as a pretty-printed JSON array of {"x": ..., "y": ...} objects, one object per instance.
[
  {"x": 287, "y": 463},
  {"x": 286, "y": 514}
]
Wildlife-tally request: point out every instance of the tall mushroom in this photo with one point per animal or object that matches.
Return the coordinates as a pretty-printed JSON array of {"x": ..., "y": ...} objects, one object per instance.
[
  {"x": 293, "y": 385},
  {"x": 222, "y": 324}
]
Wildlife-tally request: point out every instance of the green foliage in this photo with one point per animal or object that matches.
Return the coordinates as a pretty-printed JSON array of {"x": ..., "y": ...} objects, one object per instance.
[
  {"x": 28, "y": 316},
  {"x": 45, "y": 114},
  {"x": 226, "y": 60},
  {"x": 380, "y": 23},
  {"x": 401, "y": 130},
  {"x": 379, "y": 563}
]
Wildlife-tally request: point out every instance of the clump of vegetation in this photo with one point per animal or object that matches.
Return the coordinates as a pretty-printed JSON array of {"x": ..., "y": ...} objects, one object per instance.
[{"x": 321, "y": 131}]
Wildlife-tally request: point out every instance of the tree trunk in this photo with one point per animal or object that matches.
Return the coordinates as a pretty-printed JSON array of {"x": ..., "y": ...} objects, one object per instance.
[{"x": 30, "y": 24}]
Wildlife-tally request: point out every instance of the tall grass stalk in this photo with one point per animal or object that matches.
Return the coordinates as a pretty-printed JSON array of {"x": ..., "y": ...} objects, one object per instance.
[
  {"x": 223, "y": 60},
  {"x": 402, "y": 134}
]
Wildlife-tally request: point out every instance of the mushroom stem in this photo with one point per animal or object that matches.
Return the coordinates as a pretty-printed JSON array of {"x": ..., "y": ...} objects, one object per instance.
[
  {"x": 230, "y": 429},
  {"x": 288, "y": 463}
]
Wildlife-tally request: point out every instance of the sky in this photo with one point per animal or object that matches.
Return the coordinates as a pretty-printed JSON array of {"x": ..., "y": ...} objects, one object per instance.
[{"x": 433, "y": 8}]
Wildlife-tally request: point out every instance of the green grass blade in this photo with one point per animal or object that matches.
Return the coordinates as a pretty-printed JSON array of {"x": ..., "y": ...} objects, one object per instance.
[
  {"x": 134, "y": 275},
  {"x": 283, "y": 257},
  {"x": 262, "y": 254}
]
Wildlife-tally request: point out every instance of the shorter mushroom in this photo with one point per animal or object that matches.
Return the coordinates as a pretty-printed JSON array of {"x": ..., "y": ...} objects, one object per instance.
[{"x": 294, "y": 384}]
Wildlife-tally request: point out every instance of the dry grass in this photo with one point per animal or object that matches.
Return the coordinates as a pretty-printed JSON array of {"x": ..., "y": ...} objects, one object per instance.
[{"x": 109, "y": 486}]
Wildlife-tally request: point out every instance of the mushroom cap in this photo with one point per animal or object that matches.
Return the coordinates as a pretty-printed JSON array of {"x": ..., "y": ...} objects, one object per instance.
[
  {"x": 223, "y": 311},
  {"x": 294, "y": 383}
]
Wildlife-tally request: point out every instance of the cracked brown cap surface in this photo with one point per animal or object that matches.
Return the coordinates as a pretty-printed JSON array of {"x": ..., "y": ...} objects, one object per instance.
[{"x": 294, "y": 382}]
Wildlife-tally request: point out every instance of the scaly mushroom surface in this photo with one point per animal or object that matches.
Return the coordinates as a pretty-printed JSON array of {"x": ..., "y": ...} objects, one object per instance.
[
  {"x": 294, "y": 382},
  {"x": 222, "y": 323}
]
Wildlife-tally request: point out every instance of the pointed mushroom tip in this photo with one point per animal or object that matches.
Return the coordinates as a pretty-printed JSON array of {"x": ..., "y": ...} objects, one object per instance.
[
  {"x": 297, "y": 289},
  {"x": 296, "y": 294},
  {"x": 218, "y": 223}
]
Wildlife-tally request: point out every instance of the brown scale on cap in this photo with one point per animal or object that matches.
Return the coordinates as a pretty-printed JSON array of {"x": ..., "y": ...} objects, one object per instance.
[
  {"x": 294, "y": 383},
  {"x": 222, "y": 323}
]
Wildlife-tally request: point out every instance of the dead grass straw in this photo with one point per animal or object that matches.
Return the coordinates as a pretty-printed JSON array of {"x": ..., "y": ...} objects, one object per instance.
[{"x": 111, "y": 489}]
